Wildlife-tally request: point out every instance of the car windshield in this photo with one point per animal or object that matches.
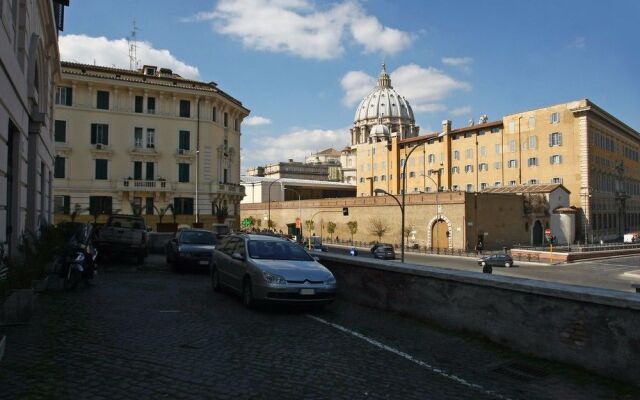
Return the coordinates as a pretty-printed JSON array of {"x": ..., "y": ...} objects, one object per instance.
[
  {"x": 197, "y": 238},
  {"x": 385, "y": 248},
  {"x": 277, "y": 250}
]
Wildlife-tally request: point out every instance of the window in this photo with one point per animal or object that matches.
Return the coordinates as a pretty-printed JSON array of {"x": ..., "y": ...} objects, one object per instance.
[
  {"x": 555, "y": 159},
  {"x": 498, "y": 165},
  {"x": 137, "y": 170},
  {"x": 60, "y": 129},
  {"x": 59, "y": 167},
  {"x": 533, "y": 181},
  {"x": 183, "y": 172},
  {"x": 138, "y": 104},
  {"x": 412, "y": 174},
  {"x": 556, "y": 180},
  {"x": 62, "y": 204},
  {"x": 555, "y": 118},
  {"x": 100, "y": 205},
  {"x": 483, "y": 151},
  {"x": 468, "y": 134},
  {"x": 226, "y": 120},
  {"x": 64, "y": 96},
  {"x": 512, "y": 127},
  {"x": 481, "y": 132},
  {"x": 236, "y": 125},
  {"x": 497, "y": 184},
  {"x": 455, "y": 170},
  {"x": 495, "y": 130},
  {"x": 185, "y": 108},
  {"x": 101, "y": 169},
  {"x": 512, "y": 183},
  {"x": 183, "y": 205},
  {"x": 513, "y": 164},
  {"x": 469, "y": 187},
  {"x": 512, "y": 146},
  {"x": 214, "y": 114},
  {"x": 375, "y": 179},
  {"x": 454, "y": 188},
  {"x": 183, "y": 140},
  {"x": 469, "y": 154},
  {"x": 532, "y": 122},
  {"x": 427, "y": 189},
  {"x": 151, "y": 105},
  {"x": 533, "y": 142},
  {"x": 150, "y": 171},
  {"x": 361, "y": 180},
  {"x": 498, "y": 148},
  {"x": 149, "y": 205},
  {"x": 533, "y": 161},
  {"x": 432, "y": 158},
  {"x": 468, "y": 168},
  {"x": 100, "y": 134},
  {"x": 456, "y": 155},
  {"x": 137, "y": 137},
  {"x": 483, "y": 167},
  {"x": 483, "y": 186},
  {"x": 555, "y": 139},
  {"x": 151, "y": 138},
  {"x": 102, "y": 100},
  {"x": 383, "y": 178}
]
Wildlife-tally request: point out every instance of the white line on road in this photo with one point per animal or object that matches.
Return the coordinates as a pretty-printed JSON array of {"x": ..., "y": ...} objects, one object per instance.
[{"x": 409, "y": 357}]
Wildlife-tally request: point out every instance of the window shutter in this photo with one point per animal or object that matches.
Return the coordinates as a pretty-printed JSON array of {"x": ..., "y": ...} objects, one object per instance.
[
  {"x": 94, "y": 134},
  {"x": 551, "y": 140},
  {"x": 69, "y": 96},
  {"x": 559, "y": 139},
  {"x": 560, "y": 159},
  {"x": 105, "y": 137}
]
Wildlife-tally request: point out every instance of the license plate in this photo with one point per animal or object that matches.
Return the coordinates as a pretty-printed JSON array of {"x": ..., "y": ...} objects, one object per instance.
[
  {"x": 307, "y": 291},
  {"x": 204, "y": 262}
]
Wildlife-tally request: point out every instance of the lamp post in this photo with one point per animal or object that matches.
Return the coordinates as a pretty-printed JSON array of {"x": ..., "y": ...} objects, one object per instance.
[
  {"x": 437, "y": 206},
  {"x": 299, "y": 207},
  {"x": 379, "y": 191},
  {"x": 586, "y": 193},
  {"x": 404, "y": 191},
  {"x": 269, "y": 213}
]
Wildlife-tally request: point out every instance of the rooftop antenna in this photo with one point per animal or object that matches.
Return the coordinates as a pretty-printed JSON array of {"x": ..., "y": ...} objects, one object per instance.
[{"x": 133, "y": 47}]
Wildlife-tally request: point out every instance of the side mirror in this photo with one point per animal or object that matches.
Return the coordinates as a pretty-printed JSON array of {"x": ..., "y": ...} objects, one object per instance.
[{"x": 237, "y": 256}]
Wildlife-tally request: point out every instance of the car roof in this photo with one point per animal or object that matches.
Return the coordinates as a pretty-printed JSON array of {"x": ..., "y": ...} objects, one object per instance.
[
  {"x": 195, "y": 230},
  {"x": 253, "y": 236}
]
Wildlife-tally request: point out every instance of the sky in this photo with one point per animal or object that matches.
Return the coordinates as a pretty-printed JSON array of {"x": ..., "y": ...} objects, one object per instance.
[{"x": 302, "y": 66}]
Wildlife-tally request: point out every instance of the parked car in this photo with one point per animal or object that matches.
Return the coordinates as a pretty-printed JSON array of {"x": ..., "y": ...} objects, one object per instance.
[
  {"x": 190, "y": 247},
  {"x": 385, "y": 252},
  {"x": 375, "y": 246},
  {"x": 123, "y": 234},
  {"x": 267, "y": 268},
  {"x": 316, "y": 244},
  {"x": 496, "y": 260}
]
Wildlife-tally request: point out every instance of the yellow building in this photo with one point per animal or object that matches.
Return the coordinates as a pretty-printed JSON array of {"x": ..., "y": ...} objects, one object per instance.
[
  {"x": 145, "y": 139},
  {"x": 578, "y": 144}
]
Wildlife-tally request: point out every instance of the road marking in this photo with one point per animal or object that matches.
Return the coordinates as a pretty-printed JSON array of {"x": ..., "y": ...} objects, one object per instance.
[{"x": 409, "y": 357}]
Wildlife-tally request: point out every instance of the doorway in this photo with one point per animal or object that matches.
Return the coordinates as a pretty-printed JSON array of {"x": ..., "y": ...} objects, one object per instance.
[
  {"x": 537, "y": 234},
  {"x": 439, "y": 235}
]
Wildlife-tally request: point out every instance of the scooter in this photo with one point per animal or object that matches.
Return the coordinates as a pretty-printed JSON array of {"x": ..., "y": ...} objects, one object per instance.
[{"x": 78, "y": 262}]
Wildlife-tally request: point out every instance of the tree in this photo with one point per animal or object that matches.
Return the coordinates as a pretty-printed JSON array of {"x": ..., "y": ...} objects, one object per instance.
[
  {"x": 409, "y": 227},
  {"x": 353, "y": 228},
  {"x": 259, "y": 223},
  {"x": 378, "y": 227},
  {"x": 271, "y": 224},
  {"x": 331, "y": 228},
  {"x": 162, "y": 211},
  {"x": 220, "y": 210},
  {"x": 310, "y": 225}
]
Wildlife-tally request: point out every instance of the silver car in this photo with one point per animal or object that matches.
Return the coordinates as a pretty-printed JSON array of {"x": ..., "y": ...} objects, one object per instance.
[{"x": 267, "y": 268}]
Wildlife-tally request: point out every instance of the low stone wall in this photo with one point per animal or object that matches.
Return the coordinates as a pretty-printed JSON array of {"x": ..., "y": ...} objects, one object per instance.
[
  {"x": 596, "y": 329},
  {"x": 557, "y": 257}
]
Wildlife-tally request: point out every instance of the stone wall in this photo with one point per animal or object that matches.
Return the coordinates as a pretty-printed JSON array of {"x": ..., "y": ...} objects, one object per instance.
[{"x": 596, "y": 329}]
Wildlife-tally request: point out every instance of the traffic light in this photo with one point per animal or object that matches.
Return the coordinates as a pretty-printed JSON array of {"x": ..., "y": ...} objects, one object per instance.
[{"x": 345, "y": 211}]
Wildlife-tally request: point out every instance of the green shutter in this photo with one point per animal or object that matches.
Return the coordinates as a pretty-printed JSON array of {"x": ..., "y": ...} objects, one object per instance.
[
  {"x": 105, "y": 136},
  {"x": 101, "y": 169},
  {"x": 60, "y": 130},
  {"x": 94, "y": 133}
]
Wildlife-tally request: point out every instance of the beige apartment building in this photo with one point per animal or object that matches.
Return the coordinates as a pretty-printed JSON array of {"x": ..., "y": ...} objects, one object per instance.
[
  {"x": 145, "y": 140},
  {"x": 29, "y": 67},
  {"x": 576, "y": 144}
]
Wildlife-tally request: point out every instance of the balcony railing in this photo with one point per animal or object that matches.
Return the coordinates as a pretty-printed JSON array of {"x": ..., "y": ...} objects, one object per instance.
[
  {"x": 227, "y": 188},
  {"x": 144, "y": 185}
]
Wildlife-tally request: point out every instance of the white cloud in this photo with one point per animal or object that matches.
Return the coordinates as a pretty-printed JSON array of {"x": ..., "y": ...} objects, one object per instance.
[
  {"x": 115, "y": 53},
  {"x": 425, "y": 88},
  {"x": 579, "y": 43},
  {"x": 457, "y": 61},
  {"x": 300, "y": 28},
  {"x": 356, "y": 85},
  {"x": 456, "y": 112},
  {"x": 296, "y": 144},
  {"x": 257, "y": 121}
]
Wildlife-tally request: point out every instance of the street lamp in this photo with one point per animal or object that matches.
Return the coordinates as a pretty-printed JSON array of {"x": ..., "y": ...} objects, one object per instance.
[
  {"x": 299, "y": 207},
  {"x": 382, "y": 191},
  {"x": 269, "y": 220},
  {"x": 586, "y": 193}
]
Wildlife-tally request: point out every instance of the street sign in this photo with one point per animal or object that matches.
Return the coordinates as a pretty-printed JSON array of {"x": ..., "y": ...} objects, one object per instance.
[
  {"x": 345, "y": 211},
  {"x": 298, "y": 223},
  {"x": 547, "y": 232}
]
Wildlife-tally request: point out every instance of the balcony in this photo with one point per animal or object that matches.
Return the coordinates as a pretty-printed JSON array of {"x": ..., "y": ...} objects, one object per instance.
[
  {"x": 135, "y": 185},
  {"x": 184, "y": 154},
  {"x": 148, "y": 152},
  {"x": 101, "y": 150},
  {"x": 228, "y": 188}
]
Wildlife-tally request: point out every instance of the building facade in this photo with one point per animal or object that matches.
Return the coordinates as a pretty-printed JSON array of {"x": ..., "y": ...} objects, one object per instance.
[
  {"x": 321, "y": 166},
  {"x": 30, "y": 66},
  {"x": 282, "y": 189},
  {"x": 141, "y": 141}
]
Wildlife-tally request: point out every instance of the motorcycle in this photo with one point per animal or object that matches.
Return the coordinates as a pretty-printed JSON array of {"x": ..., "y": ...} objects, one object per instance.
[{"x": 78, "y": 261}]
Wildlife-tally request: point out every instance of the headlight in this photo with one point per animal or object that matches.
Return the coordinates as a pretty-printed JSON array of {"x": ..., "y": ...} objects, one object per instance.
[
  {"x": 330, "y": 280},
  {"x": 273, "y": 279}
]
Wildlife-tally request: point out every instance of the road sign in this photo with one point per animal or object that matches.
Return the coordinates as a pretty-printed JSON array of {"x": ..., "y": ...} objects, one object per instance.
[
  {"x": 547, "y": 232},
  {"x": 345, "y": 211},
  {"x": 298, "y": 223}
]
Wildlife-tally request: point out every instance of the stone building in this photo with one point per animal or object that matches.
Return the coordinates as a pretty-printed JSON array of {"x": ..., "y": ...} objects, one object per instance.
[
  {"x": 145, "y": 140},
  {"x": 30, "y": 66},
  {"x": 321, "y": 166}
]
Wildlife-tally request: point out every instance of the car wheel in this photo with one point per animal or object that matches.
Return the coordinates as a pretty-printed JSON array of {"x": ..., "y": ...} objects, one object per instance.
[
  {"x": 215, "y": 279},
  {"x": 507, "y": 265},
  {"x": 247, "y": 294}
]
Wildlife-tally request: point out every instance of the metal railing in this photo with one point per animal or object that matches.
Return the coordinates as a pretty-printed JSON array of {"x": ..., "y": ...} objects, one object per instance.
[{"x": 139, "y": 184}]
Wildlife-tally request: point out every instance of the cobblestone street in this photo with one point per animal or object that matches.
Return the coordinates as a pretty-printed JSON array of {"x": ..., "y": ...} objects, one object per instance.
[{"x": 154, "y": 334}]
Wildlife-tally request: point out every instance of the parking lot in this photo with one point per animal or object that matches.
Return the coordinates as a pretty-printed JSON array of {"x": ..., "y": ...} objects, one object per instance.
[{"x": 144, "y": 332}]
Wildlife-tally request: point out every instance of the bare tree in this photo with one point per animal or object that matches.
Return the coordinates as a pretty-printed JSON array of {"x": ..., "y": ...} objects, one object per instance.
[
  {"x": 378, "y": 227},
  {"x": 409, "y": 227},
  {"x": 353, "y": 228}
]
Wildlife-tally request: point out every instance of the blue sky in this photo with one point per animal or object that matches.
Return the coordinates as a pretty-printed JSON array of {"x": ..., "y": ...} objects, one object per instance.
[{"x": 302, "y": 65}]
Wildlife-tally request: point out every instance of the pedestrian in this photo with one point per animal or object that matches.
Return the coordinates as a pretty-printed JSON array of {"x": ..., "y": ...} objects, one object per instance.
[{"x": 479, "y": 247}]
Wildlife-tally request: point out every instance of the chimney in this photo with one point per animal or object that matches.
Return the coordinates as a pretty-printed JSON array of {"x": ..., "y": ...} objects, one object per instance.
[{"x": 446, "y": 126}]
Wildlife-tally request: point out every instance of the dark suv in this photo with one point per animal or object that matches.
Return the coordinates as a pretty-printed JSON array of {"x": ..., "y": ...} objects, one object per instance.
[{"x": 496, "y": 260}]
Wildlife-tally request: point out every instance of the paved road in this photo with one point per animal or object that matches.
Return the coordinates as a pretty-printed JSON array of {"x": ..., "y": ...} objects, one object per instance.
[
  {"x": 605, "y": 273},
  {"x": 154, "y": 334}
]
